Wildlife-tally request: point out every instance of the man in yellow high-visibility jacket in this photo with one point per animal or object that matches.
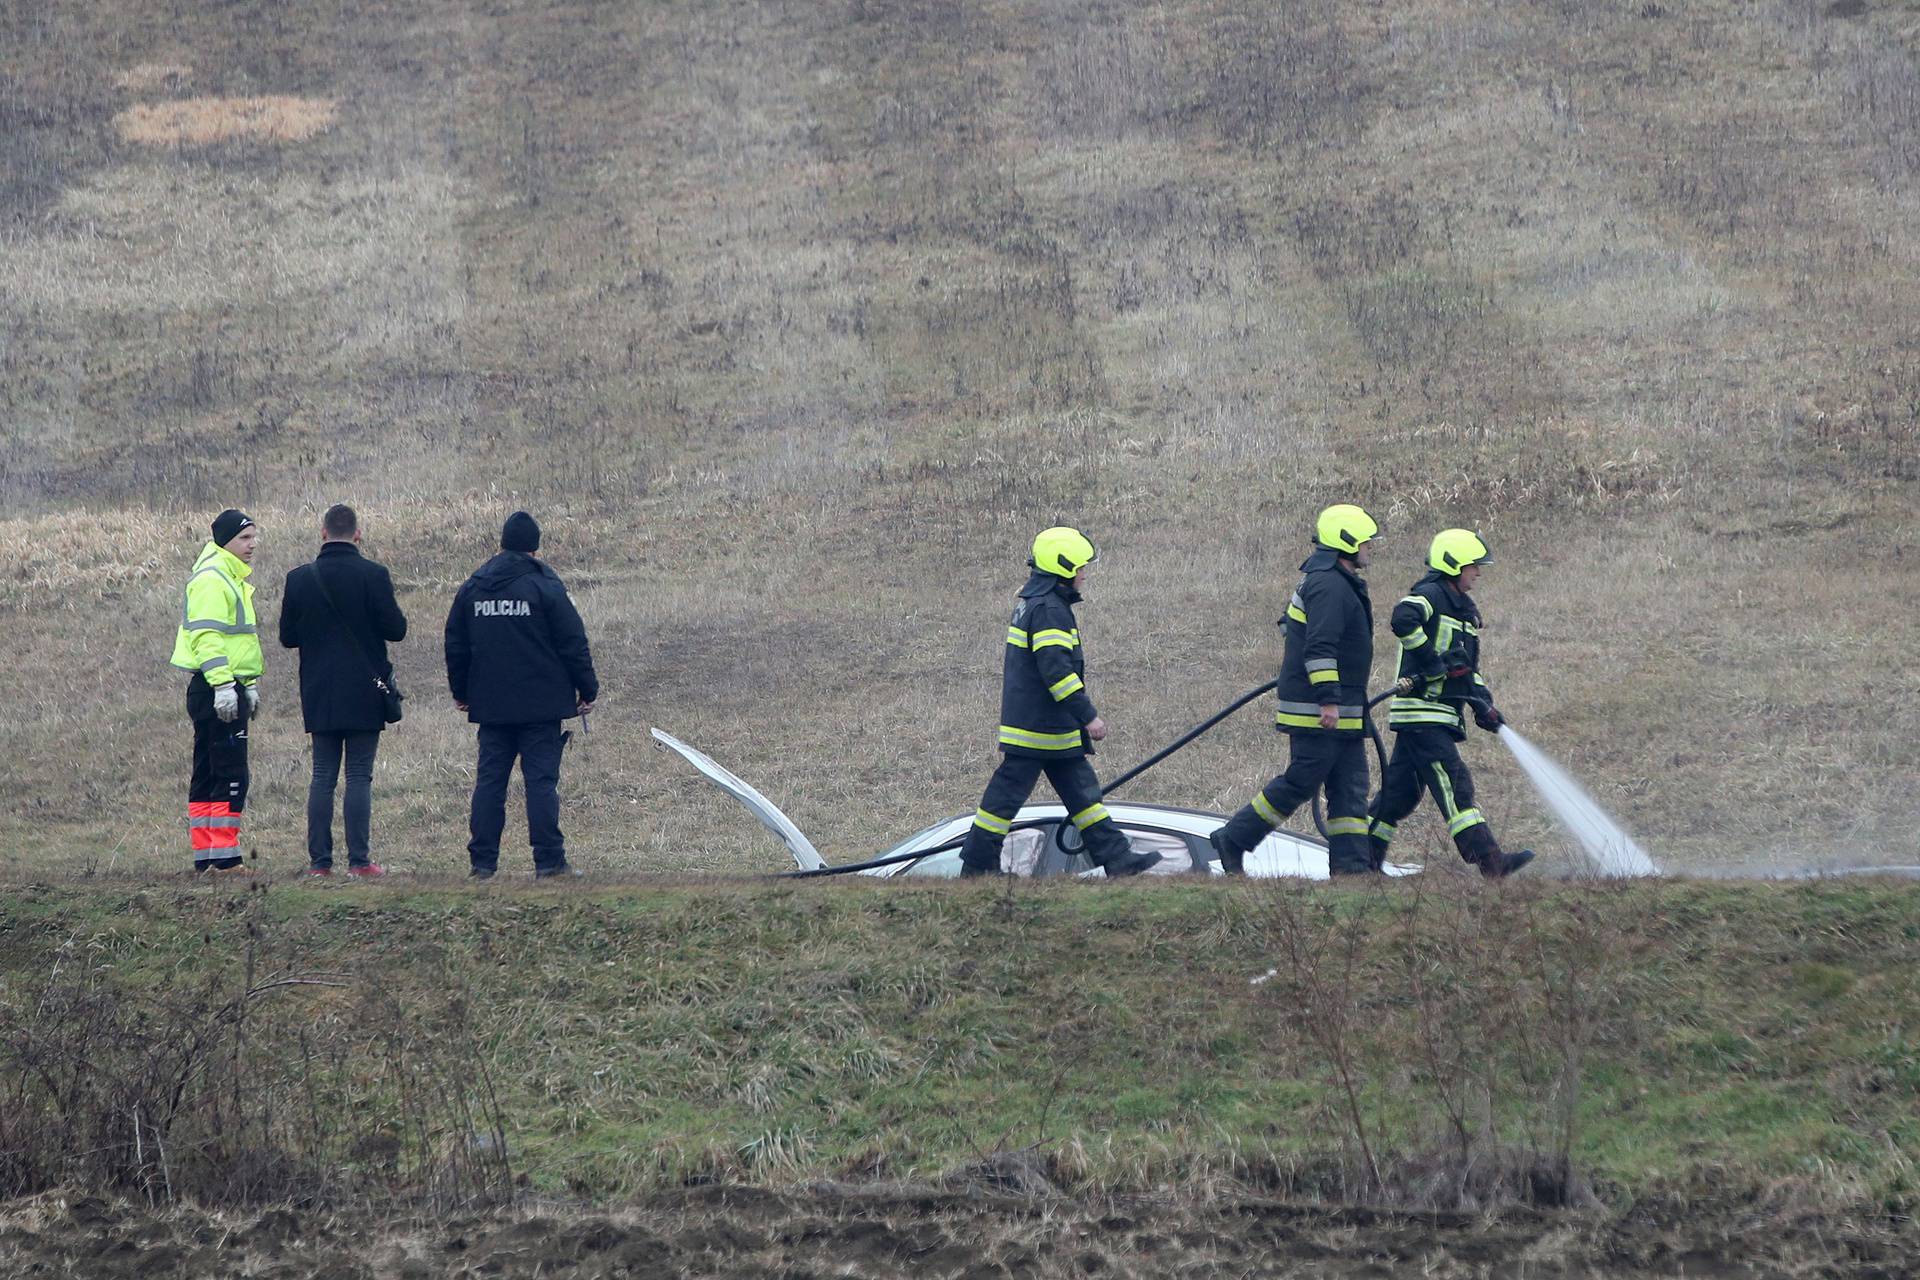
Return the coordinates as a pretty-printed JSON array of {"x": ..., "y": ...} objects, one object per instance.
[{"x": 219, "y": 643}]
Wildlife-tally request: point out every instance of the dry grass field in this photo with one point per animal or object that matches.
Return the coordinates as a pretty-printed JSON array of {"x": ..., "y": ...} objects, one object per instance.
[{"x": 793, "y": 321}]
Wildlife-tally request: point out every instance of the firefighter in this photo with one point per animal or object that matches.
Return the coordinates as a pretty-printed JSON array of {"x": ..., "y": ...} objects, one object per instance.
[
  {"x": 1048, "y": 723},
  {"x": 1438, "y": 626},
  {"x": 1323, "y": 696},
  {"x": 218, "y": 642}
]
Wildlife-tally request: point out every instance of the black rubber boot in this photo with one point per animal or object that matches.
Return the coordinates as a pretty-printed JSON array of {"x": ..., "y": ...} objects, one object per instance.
[
  {"x": 1131, "y": 864},
  {"x": 1232, "y": 860},
  {"x": 1495, "y": 865}
]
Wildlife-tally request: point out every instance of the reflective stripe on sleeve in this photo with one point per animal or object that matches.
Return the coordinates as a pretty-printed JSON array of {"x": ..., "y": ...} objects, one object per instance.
[
  {"x": 1017, "y": 638},
  {"x": 1323, "y": 677},
  {"x": 212, "y": 664},
  {"x": 1297, "y": 608},
  {"x": 224, "y": 628},
  {"x": 1054, "y": 636},
  {"x": 1413, "y": 639},
  {"x": 1426, "y": 605},
  {"x": 1066, "y": 687}
]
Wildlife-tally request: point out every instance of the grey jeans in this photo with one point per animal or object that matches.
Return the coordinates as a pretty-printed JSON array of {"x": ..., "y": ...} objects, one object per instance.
[{"x": 328, "y": 748}]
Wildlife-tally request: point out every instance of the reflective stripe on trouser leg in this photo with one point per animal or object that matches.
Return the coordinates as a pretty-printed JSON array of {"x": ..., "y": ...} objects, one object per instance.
[
  {"x": 1311, "y": 758},
  {"x": 1348, "y": 849},
  {"x": 1078, "y": 787},
  {"x": 1458, "y": 818},
  {"x": 992, "y": 823},
  {"x": 1452, "y": 787},
  {"x": 217, "y": 790},
  {"x": 1006, "y": 791},
  {"x": 213, "y": 829}
]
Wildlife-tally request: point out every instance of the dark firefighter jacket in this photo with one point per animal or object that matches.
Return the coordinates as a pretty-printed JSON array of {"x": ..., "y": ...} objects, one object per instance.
[
  {"x": 1438, "y": 629},
  {"x": 1043, "y": 691},
  {"x": 1329, "y": 653},
  {"x": 516, "y": 648}
]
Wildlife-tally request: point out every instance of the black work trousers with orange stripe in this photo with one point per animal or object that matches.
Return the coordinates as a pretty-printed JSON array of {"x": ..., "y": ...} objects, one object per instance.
[{"x": 217, "y": 792}]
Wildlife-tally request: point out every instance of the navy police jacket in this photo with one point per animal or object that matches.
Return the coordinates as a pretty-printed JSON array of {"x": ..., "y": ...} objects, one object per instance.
[{"x": 516, "y": 648}]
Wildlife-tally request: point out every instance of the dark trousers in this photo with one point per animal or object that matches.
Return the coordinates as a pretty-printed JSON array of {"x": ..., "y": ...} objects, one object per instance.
[
  {"x": 1079, "y": 790},
  {"x": 538, "y": 748},
  {"x": 1315, "y": 758},
  {"x": 357, "y": 809},
  {"x": 1429, "y": 758},
  {"x": 217, "y": 791}
]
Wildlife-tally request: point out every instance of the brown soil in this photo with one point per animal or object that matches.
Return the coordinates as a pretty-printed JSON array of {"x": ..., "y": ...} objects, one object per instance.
[{"x": 740, "y": 1232}]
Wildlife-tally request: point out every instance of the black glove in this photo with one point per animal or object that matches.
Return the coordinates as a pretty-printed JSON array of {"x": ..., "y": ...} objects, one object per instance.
[
  {"x": 1488, "y": 716},
  {"x": 1457, "y": 662}
]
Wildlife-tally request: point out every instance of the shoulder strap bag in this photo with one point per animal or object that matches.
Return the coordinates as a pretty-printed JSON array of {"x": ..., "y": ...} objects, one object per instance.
[{"x": 390, "y": 695}]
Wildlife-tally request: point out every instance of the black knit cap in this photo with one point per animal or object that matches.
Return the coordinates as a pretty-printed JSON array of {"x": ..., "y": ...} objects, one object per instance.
[
  {"x": 228, "y": 524},
  {"x": 521, "y": 532}
]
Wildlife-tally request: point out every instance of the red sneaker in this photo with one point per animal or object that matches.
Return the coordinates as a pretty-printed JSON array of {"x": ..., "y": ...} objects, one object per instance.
[
  {"x": 368, "y": 872},
  {"x": 319, "y": 871}
]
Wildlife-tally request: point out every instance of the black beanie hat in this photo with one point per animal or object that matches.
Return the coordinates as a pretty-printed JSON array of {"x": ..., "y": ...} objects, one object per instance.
[
  {"x": 521, "y": 532},
  {"x": 228, "y": 524}
]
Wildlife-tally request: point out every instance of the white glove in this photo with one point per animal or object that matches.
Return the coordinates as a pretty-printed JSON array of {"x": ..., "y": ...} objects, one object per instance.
[
  {"x": 226, "y": 701},
  {"x": 253, "y": 699}
]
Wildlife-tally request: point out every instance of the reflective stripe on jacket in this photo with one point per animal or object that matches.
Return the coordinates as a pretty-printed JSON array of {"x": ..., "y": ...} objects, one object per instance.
[
  {"x": 1329, "y": 653},
  {"x": 1430, "y": 621},
  {"x": 218, "y": 634},
  {"x": 1043, "y": 689}
]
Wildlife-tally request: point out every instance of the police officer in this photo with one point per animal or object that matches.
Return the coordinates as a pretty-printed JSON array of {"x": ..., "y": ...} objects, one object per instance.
[
  {"x": 1323, "y": 695},
  {"x": 1438, "y": 626},
  {"x": 1048, "y": 723},
  {"x": 518, "y": 664},
  {"x": 219, "y": 643}
]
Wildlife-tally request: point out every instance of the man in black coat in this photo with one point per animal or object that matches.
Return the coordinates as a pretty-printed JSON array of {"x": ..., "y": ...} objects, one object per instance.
[
  {"x": 518, "y": 664},
  {"x": 339, "y": 612}
]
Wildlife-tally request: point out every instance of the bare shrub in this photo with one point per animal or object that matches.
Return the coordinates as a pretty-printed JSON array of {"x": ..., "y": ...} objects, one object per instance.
[
  {"x": 1498, "y": 1006},
  {"x": 215, "y": 1091},
  {"x": 1280, "y": 76},
  {"x": 1105, "y": 80}
]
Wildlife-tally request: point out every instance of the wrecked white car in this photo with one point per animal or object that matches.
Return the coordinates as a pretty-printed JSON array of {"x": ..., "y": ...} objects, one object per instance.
[{"x": 1050, "y": 848}]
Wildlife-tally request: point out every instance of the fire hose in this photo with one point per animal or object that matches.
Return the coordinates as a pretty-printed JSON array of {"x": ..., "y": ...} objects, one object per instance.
[
  {"x": 1152, "y": 760},
  {"x": 1184, "y": 740}
]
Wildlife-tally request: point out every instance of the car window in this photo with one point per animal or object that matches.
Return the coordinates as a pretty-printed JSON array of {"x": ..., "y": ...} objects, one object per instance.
[{"x": 1176, "y": 850}]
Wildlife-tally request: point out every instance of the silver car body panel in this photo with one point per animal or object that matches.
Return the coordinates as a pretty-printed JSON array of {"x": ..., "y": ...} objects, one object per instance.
[{"x": 1179, "y": 834}]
